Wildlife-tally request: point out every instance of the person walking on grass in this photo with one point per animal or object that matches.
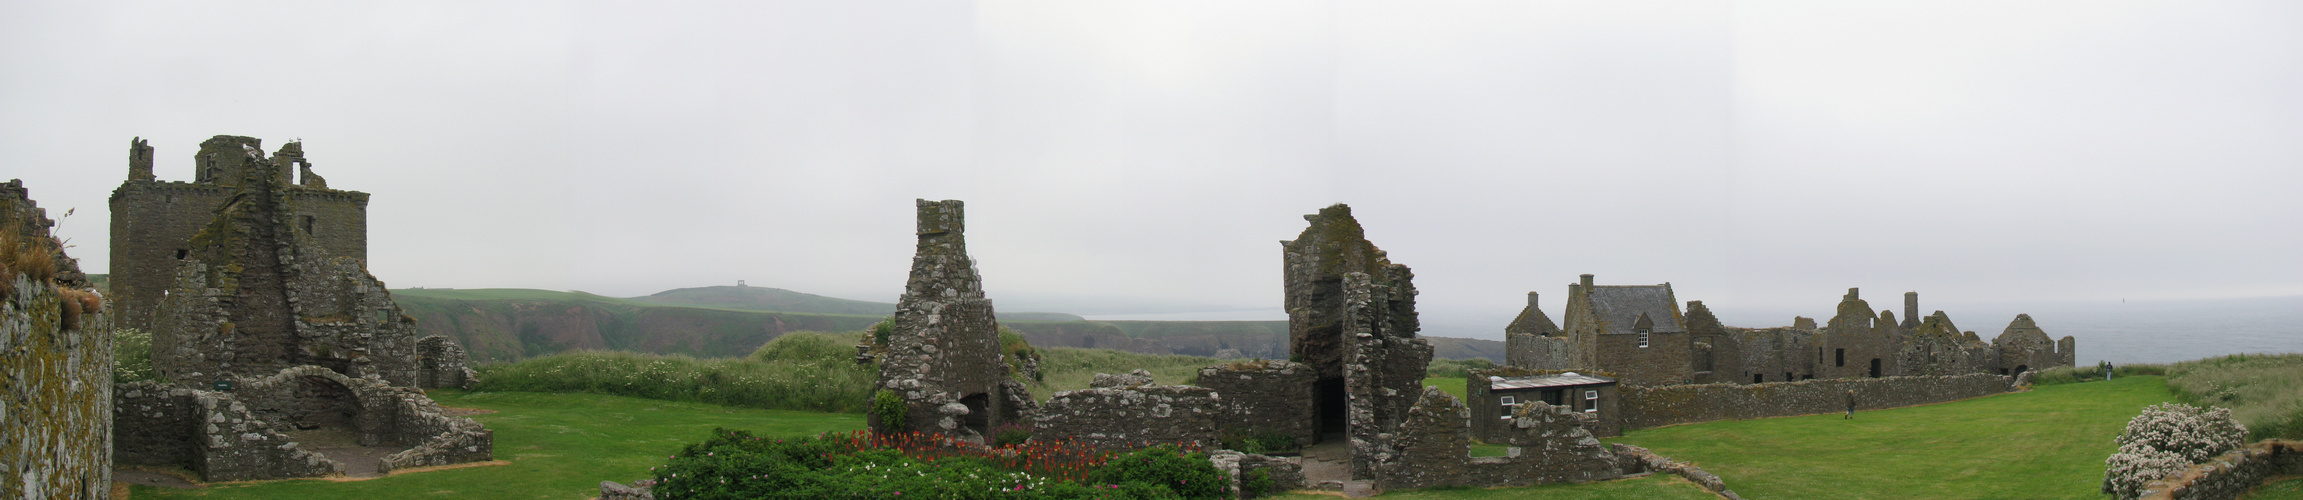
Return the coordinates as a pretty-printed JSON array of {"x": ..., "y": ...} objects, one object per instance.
[{"x": 1850, "y": 404}]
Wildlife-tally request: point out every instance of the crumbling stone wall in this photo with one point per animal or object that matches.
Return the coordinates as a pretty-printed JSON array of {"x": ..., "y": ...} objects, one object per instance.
[
  {"x": 244, "y": 434},
  {"x": 1127, "y": 418},
  {"x": 1768, "y": 354},
  {"x": 943, "y": 355},
  {"x": 1550, "y": 444},
  {"x": 55, "y": 363},
  {"x": 153, "y": 221},
  {"x": 258, "y": 289},
  {"x": 1286, "y": 473},
  {"x": 1645, "y": 407},
  {"x": 1264, "y": 397},
  {"x": 2231, "y": 474},
  {"x": 1351, "y": 317},
  {"x": 441, "y": 363},
  {"x": 2023, "y": 345}
]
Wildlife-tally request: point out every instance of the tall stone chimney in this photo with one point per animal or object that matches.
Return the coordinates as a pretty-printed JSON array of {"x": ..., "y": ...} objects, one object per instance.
[
  {"x": 1911, "y": 309},
  {"x": 1587, "y": 282}
]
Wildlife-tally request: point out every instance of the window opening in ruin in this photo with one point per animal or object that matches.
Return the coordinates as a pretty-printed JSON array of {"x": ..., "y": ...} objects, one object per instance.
[
  {"x": 1328, "y": 394},
  {"x": 1874, "y": 367},
  {"x": 307, "y": 225},
  {"x": 1757, "y": 378},
  {"x": 979, "y": 415},
  {"x": 1840, "y": 357},
  {"x": 182, "y": 253}
]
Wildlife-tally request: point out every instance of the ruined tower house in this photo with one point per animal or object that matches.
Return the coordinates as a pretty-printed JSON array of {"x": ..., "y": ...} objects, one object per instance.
[
  {"x": 264, "y": 334},
  {"x": 943, "y": 353},
  {"x": 1351, "y": 317}
]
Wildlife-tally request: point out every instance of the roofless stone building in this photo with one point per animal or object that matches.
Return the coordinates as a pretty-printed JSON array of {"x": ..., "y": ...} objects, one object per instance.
[
  {"x": 1351, "y": 317},
  {"x": 943, "y": 352},
  {"x": 267, "y": 330}
]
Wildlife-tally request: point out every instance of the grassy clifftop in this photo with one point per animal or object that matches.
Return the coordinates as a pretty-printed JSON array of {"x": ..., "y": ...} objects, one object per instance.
[{"x": 503, "y": 324}]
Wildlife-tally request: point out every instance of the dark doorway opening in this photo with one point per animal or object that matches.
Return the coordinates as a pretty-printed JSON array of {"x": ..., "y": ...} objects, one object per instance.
[
  {"x": 1758, "y": 378},
  {"x": 1874, "y": 367},
  {"x": 1329, "y": 395},
  {"x": 2020, "y": 368},
  {"x": 1839, "y": 357},
  {"x": 979, "y": 417}
]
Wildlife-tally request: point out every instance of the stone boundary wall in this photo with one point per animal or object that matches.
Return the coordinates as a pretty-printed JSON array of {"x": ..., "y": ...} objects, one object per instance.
[
  {"x": 2231, "y": 474},
  {"x": 153, "y": 424},
  {"x": 56, "y": 368},
  {"x": 1286, "y": 473},
  {"x": 1122, "y": 419},
  {"x": 1635, "y": 460},
  {"x": 1264, "y": 397},
  {"x": 1645, "y": 407}
]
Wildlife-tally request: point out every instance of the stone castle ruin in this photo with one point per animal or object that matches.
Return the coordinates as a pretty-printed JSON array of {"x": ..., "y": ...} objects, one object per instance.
[
  {"x": 1351, "y": 318},
  {"x": 55, "y": 362},
  {"x": 943, "y": 352},
  {"x": 1638, "y": 333},
  {"x": 267, "y": 328}
]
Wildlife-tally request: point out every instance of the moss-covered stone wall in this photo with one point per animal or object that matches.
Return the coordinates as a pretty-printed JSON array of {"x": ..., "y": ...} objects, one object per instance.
[{"x": 55, "y": 364}]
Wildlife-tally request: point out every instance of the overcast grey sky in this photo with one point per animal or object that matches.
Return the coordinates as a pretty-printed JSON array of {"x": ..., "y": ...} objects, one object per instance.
[{"x": 1147, "y": 156}]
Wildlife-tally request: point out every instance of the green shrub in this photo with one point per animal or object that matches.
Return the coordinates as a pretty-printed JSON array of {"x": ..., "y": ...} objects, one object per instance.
[
  {"x": 809, "y": 348},
  {"x": 1260, "y": 442},
  {"x": 1257, "y": 483},
  {"x": 798, "y": 371},
  {"x": 1011, "y": 433},
  {"x": 2263, "y": 391},
  {"x": 1189, "y": 475},
  {"x": 890, "y": 408},
  {"x": 738, "y": 465},
  {"x": 131, "y": 355},
  {"x": 1069, "y": 368},
  {"x": 1456, "y": 368}
]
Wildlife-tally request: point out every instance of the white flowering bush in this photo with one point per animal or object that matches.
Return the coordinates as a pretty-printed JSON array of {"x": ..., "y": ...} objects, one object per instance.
[{"x": 2166, "y": 439}]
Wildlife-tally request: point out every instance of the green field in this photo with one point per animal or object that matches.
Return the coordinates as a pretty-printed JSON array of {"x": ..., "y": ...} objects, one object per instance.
[
  {"x": 560, "y": 447},
  {"x": 2047, "y": 443}
]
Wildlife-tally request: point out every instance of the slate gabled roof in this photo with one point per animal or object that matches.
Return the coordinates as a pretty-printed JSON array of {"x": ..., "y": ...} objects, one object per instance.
[{"x": 1618, "y": 307}]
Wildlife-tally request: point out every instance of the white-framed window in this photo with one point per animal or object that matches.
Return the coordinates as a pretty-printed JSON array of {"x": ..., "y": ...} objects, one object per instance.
[
  {"x": 1508, "y": 400},
  {"x": 1643, "y": 339},
  {"x": 1590, "y": 401}
]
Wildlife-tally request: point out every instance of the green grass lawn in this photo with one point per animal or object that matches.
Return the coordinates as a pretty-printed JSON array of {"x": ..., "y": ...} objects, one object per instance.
[
  {"x": 2278, "y": 489},
  {"x": 2046, "y": 443},
  {"x": 1659, "y": 486},
  {"x": 560, "y": 446}
]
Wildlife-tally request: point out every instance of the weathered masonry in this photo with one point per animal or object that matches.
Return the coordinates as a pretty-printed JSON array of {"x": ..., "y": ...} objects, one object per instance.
[
  {"x": 55, "y": 363},
  {"x": 153, "y": 221},
  {"x": 943, "y": 352},
  {"x": 267, "y": 338},
  {"x": 1351, "y": 318},
  {"x": 1639, "y": 334}
]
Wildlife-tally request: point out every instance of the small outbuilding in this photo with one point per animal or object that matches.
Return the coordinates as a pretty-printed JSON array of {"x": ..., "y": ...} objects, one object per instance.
[{"x": 1492, "y": 393}]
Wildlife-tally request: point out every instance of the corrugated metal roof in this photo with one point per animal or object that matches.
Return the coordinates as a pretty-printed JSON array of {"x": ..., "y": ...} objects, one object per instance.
[{"x": 1568, "y": 379}]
